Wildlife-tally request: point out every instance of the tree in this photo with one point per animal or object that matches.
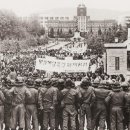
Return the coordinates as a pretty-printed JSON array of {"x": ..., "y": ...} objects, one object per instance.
[
  {"x": 70, "y": 31},
  {"x": 58, "y": 32},
  {"x": 51, "y": 33},
  {"x": 61, "y": 33},
  {"x": 99, "y": 31}
]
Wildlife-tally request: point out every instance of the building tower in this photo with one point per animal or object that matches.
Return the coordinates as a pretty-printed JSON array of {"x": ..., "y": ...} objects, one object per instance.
[{"x": 82, "y": 18}]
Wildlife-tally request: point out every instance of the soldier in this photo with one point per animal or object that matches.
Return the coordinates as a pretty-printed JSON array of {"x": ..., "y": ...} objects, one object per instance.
[
  {"x": 38, "y": 86},
  {"x": 18, "y": 93},
  {"x": 8, "y": 100},
  {"x": 31, "y": 106},
  {"x": 47, "y": 102},
  {"x": 116, "y": 99},
  {"x": 125, "y": 87},
  {"x": 86, "y": 96},
  {"x": 100, "y": 110},
  {"x": 2, "y": 100},
  {"x": 69, "y": 98},
  {"x": 58, "y": 114}
]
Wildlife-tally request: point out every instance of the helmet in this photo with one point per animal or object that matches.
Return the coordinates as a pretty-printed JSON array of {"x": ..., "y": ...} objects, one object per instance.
[
  {"x": 69, "y": 82},
  {"x": 125, "y": 86},
  {"x": 61, "y": 81},
  {"x": 9, "y": 83},
  {"x": 115, "y": 85},
  {"x": 19, "y": 81},
  {"x": 30, "y": 82},
  {"x": 46, "y": 81},
  {"x": 96, "y": 83},
  {"x": 54, "y": 81},
  {"x": 85, "y": 83},
  {"x": 38, "y": 82},
  {"x": 35, "y": 73}
]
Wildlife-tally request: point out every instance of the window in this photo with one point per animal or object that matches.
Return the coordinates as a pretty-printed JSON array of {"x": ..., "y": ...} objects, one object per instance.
[
  {"x": 117, "y": 62},
  {"x": 46, "y": 17}
]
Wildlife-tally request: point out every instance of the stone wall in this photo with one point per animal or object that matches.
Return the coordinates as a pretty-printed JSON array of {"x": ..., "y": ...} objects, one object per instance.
[{"x": 111, "y": 54}]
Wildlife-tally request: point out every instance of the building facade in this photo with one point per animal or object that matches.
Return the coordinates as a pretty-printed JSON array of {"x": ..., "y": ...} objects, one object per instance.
[
  {"x": 94, "y": 25},
  {"x": 81, "y": 21}
]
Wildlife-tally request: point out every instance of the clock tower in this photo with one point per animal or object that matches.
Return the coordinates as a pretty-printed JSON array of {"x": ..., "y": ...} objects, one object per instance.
[
  {"x": 82, "y": 18},
  {"x": 81, "y": 10}
]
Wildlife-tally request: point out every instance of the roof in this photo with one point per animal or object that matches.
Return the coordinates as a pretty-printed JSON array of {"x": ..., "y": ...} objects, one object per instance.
[{"x": 115, "y": 45}]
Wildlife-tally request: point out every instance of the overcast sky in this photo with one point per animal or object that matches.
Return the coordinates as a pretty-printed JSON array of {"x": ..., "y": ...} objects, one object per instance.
[{"x": 26, "y": 7}]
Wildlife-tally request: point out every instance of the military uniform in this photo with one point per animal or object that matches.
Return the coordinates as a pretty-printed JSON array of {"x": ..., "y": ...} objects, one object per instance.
[
  {"x": 69, "y": 110},
  {"x": 116, "y": 99},
  {"x": 31, "y": 107},
  {"x": 2, "y": 100},
  {"x": 18, "y": 104},
  {"x": 86, "y": 96},
  {"x": 47, "y": 101},
  {"x": 100, "y": 110}
]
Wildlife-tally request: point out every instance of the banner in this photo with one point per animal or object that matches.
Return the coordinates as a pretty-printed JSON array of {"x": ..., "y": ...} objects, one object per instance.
[{"x": 54, "y": 65}]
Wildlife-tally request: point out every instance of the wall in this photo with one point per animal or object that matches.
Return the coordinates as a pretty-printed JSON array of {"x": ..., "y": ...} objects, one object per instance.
[{"x": 122, "y": 54}]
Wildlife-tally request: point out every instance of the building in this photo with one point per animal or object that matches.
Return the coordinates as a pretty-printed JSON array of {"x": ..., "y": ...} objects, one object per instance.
[
  {"x": 124, "y": 20},
  {"x": 82, "y": 18},
  {"x": 57, "y": 22},
  {"x": 118, "y": 58},
  {"x": 81, "y": 21},
  {"x": 94, "y": 25}
]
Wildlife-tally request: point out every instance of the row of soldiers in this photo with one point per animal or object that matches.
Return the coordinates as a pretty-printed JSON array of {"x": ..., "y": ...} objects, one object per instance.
[{"x": 59, "y": 104}]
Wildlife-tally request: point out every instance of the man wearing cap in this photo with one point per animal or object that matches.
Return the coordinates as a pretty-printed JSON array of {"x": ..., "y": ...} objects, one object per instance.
[
  {"x": 116, "y": 99},
  {"x": 86, "y": 96},
  {"x": 100, "y": 110},
  {"x": 19, "y": 93},
  {"x": 31, "y": 106},
  {"x": 68, "y": 103},
  {"x": 47, "y": 100}
]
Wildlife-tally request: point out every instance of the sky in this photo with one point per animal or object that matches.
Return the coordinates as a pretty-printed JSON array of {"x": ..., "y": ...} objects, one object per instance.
[{"x": 27, "y": 7}]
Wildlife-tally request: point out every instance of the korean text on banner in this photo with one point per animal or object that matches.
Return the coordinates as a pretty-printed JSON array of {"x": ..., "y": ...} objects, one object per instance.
[{"x": 55, "y": 65}]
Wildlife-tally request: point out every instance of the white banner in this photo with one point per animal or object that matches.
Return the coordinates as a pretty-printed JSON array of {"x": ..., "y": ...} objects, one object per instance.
[{"x": 54, "y": 65}]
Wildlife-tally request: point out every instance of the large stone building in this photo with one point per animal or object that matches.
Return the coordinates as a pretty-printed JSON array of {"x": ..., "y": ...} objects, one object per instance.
[{"x": 81, "y": 21}]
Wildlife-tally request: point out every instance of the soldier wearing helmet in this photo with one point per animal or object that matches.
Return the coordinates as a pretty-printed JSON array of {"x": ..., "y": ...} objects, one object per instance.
[
  {"x": 35, "y": 75},
  {"x": 117, "y": 103},
  {"x": 125, "y": 87},
  {"x": 38, "y": 83},
  {"x": 96, "y": 83},
  {"x": 19, "y": 93},
  {"x": 8, "y": 100},
  {"x": 2, "y": 100},
  {"x": 100, "y": 109},
  {"x": 47, "y": 100},
  {"x": 31, "y": 106},
  {"x": 69, "y": 100},
  {"x": 86, "y": 96}
]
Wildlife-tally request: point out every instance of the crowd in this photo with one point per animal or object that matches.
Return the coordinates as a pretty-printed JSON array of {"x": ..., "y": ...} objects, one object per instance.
[{"x": 29, "y": 99}]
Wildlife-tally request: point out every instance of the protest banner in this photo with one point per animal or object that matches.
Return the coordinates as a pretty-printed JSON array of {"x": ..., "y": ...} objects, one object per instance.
[{"x": 55, "y": 65}]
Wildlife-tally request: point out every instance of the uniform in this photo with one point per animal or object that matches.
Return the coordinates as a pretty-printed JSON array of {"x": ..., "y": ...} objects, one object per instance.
[
  {"x": 100, "y": 110},
  {"x": 116, "y": 99},
  {"x": 87, "y": 96},
  {"x": 31, "y": 109},
  {"x": 18, "y": 105},
  {"x": 2, "y": 99},
  {"x": 47, "y": 100},
  {"x": 69, "y": 110}
]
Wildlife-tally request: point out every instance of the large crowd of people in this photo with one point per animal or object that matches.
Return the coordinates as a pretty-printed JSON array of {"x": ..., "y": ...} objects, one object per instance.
[{"x": 30, "y": 99}]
